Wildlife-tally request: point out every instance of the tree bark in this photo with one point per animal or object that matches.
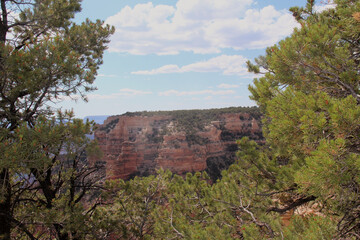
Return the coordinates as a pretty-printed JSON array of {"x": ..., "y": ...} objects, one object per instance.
[
  {"x": 4, "y": 22},
  {"x": 5, "y": 205},
  {"x": 293, "y": 205}
]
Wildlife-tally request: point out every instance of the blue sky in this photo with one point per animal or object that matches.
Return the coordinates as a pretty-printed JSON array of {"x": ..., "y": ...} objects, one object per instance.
[{"x": 180, "y": 54}]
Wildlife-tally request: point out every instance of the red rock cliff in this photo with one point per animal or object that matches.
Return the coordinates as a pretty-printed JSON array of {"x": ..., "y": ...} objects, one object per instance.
[{"x": 181, "y": 141}]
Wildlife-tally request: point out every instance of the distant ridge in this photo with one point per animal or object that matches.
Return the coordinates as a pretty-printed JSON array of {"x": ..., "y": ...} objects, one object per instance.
[{"x": 97, "y": 119}]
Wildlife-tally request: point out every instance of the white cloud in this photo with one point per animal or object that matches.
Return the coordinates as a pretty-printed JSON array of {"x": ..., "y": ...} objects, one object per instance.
[
  {"x": 227, "y": 86},
  {"x": 228, "y": 65},
  {"x": 161, "y": 70},
  {"x": 125, "y": 92},
  {"x": 107, "y": 75},
  {"x": 207, "y": 10},
  {"x": 325, "y": 6},
  {"x": 132, "y": 92},
  {"x": 199, "y": 26},
  {"x": 258, "y": 29},
  {"x": 141, "y": 16},
  {"x": 193, "y": 93}
]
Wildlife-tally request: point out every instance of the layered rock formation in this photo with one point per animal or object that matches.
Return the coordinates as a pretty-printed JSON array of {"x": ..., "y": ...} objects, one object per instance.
[{"x": 181, "y": 141}]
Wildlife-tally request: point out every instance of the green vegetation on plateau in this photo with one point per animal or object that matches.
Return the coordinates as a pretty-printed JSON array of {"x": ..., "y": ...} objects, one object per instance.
[
  {"x": 192, "y": 120},
  {"x": 211, "y": 114}
]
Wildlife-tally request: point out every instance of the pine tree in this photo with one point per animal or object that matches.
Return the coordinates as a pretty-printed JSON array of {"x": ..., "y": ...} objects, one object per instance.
[
  {"x": 57, "y": 187},
  {"x": 44, "y": 56},
  {"x": 310, "y": 96},
  {"x": 131, "y": 205}
]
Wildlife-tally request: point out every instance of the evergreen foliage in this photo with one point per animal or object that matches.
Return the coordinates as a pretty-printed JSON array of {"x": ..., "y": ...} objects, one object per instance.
[
  {"x": 310, "y": 95},
  {"x": 44, "y": 178}
]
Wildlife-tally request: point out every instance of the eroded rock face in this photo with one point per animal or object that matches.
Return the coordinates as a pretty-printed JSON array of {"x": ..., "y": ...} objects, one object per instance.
[{"x": 181, "y": 141}]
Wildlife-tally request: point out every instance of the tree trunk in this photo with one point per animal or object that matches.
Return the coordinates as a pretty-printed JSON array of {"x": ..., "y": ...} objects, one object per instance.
[
  {"x": 5, "y": 205},
  {"x": 4, "y": 22},
  {"x": 61, "y": 235}
]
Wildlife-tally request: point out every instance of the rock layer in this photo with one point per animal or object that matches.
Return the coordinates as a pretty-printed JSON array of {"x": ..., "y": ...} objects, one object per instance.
[{"x": 136, "y": 144}]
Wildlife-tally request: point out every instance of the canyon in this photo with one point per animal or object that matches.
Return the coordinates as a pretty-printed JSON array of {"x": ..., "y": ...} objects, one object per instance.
[{"x": 137, "y": 144}]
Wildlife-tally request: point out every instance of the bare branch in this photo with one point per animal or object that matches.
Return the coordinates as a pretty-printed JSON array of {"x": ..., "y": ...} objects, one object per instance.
[
  {"x": 261, "y": 224},
  {"x": 171, "y": 224}
]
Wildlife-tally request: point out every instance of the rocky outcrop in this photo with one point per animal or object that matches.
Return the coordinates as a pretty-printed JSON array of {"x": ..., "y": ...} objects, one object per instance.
[{"x": 181, "y": 141}]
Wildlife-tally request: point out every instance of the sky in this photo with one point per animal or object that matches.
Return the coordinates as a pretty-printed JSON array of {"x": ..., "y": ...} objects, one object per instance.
[{"x": 180, "y": 54}]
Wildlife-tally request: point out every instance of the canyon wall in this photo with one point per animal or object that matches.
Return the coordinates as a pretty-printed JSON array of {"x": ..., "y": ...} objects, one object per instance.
[{"x": 136, "y": 144}]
